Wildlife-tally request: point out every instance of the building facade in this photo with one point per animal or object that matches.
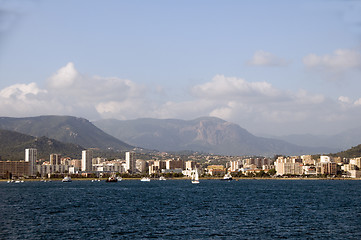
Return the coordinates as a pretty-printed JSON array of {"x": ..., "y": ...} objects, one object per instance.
[
  {"x": 30, "y": 157},
  {"x": 130, "y": 162},
  {"x": 86, "y": 160}
]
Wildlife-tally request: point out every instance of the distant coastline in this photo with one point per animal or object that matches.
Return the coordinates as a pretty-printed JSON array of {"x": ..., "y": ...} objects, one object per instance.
[{"x": 187, "y": 179}]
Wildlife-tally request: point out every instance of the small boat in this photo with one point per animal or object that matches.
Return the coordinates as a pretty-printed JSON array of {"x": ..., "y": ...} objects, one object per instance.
[
  {"x": 227, "y": 177},
  {"x": 119, "y": 179},
  {"x": 161, "y": 178},
  {"x": 66, "y": 179},
  {"x": 112, "y": 179},
  {"x": 145, "y": 179},
  {"x": 195, "y": 177}
]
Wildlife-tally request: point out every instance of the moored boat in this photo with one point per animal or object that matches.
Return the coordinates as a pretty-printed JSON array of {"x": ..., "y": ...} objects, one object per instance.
[
  {"x": 227, "y": 177},
  {"x": 66, "y": 179},
  {"x": 162, "y": 178},
  {"x": 195, "y": 177},
  {"x": 112, "y": 179},
  {"x": 145, "y": 179}
]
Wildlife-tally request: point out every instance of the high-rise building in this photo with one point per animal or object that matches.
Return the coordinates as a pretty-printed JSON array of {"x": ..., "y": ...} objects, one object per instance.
[
  {"x": 86, "y": 160},
  {"x": 173, "y": 164},
  {"x": 190, "y": 165},
  {"x": 55, "y": 159},
  {"x": 130, "y": 162},
  {"x": 30, "y": 156}
]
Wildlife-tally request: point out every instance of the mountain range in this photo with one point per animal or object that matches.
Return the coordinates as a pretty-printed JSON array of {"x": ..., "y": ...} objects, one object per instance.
[
  {"x": 339, "y": 141},
  {"x": 65, "y": 129},
  {"x": 12, "y": 145},
  {"x": 206, "y": 134}
]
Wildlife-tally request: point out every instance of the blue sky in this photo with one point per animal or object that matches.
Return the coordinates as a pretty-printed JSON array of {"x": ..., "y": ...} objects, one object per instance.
[{"x": 273, "y": 67}]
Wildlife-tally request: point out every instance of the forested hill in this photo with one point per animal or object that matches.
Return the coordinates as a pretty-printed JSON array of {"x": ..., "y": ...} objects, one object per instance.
[
  {"x": 13, "y": 145},
  {"x": 351, "y": 153},
  {"x": 66, "y": 129}
]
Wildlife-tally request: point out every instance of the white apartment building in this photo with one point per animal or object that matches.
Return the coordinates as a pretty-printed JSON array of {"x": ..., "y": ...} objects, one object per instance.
[
  {"x": 30, "y": 156},
  {"x": 291, "y": 166},
  {"x": 86, "y": 160},
  {"x": 130, "y": 162}
]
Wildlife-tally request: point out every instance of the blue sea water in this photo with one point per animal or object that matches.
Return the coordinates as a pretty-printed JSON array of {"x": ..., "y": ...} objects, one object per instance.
[{"x": 177, "y": 209}]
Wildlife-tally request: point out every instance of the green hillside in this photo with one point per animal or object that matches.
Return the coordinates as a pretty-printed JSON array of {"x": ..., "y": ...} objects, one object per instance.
[
  {"x": 13, "y": 145},
  {"x": 65, "y": 129},
  {"x": 350, "y": 153}
]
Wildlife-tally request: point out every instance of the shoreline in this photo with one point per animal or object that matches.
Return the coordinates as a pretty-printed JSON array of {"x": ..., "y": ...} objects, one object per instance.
[{"x": 187, "y": 179}]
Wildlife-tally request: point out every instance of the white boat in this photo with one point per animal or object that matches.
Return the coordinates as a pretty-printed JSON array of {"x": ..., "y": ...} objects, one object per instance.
[
  {"x": 195, "y": 177},
  {"x": 66, "y": 179},
  {"x": 112, "y": 179},
  {"x": 161, "y": 178},
  {"x": 227, "y": 177},
  {"x": 145, "y": 179},
  {"x": 119, "y": 179}
]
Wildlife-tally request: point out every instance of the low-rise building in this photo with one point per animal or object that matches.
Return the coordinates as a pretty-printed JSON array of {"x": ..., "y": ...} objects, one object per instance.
[
  {"x": 215, "y": 170},
  {"x": 288, "y": 166},
  {"x": 14, "y": 169}
]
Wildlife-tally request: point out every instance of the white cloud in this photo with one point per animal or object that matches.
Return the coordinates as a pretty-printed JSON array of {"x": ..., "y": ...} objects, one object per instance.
[
  {"x": 222, "y": 86},
  {"x": 69, "y": 92},
  {"x": 21, "y": 91},
  {"x": 64, "y": 77},
  {"x": 340, "y": 60},
  {"x": 344, "y": 99},
  {"x": 256, "y": 106},
  {"x": 262, "y": 58},
  {"x": 358, "y": 102}
]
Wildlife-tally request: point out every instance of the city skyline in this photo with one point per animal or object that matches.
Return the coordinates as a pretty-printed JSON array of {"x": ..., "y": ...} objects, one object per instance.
[{"x": 273, "y": 68}]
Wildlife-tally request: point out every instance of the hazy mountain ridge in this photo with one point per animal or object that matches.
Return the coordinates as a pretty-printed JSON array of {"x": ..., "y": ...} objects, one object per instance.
[
  {"x": 13, "y": 144},
  {"x": 65, "y": 129},
  {"x": 340, "y": 141},
  {"x": 206, "y": 134}
]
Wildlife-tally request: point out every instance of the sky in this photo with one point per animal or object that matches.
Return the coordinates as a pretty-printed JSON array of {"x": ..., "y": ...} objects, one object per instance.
[{"x": 273, "y": 67}]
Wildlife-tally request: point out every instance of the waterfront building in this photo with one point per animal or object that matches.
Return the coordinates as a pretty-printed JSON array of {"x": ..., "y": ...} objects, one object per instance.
[
  {"x": 130, "y": 162},
  {"x": 289, "y": 165},
  {"x": 10, "y": 169},
  {"x": 73, "y": 170},
  {"x": 355, "y": 173},
  {"x": 216, "y": 170},
  {"x": 327, "y": 168},
  {"x": 76, "y": 163},
  {"x": 46, "y": 169},
  {"x": 307, "y": 160},
  {"x": 98, "y": 160},
  {"x": 86, "y": 160},
  {"x": 65, "y": 161},
  {"x": 325, "y": 159},
  {"x": 173, "y": 164},
  {"x": 55, "y": 159},
  {"x": 30, "y": 157},
  {"x": 356, "y": 161},
  {"x": 110, "y": 166},
  {"x": 309, "y": 170},
  {"x": 141, "y": 166},
  {"x": 157, "y": 167},
  {"x": 235, "y": 165},
  {"x": 190, "y": 165}
]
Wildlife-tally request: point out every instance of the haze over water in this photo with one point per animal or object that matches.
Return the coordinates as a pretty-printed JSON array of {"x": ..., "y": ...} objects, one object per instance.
[{"x": 245, "y": 209}]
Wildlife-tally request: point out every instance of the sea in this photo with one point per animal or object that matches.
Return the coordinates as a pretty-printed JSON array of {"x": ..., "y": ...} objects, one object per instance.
[{"x": 178, "y": 209}]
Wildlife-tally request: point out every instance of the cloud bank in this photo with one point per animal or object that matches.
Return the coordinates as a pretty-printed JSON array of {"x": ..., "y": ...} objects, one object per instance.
[
  {"x": 340, "y": 61},
  {"x": 262, "y": 58},
  {"x": 257, "y": 106}
]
